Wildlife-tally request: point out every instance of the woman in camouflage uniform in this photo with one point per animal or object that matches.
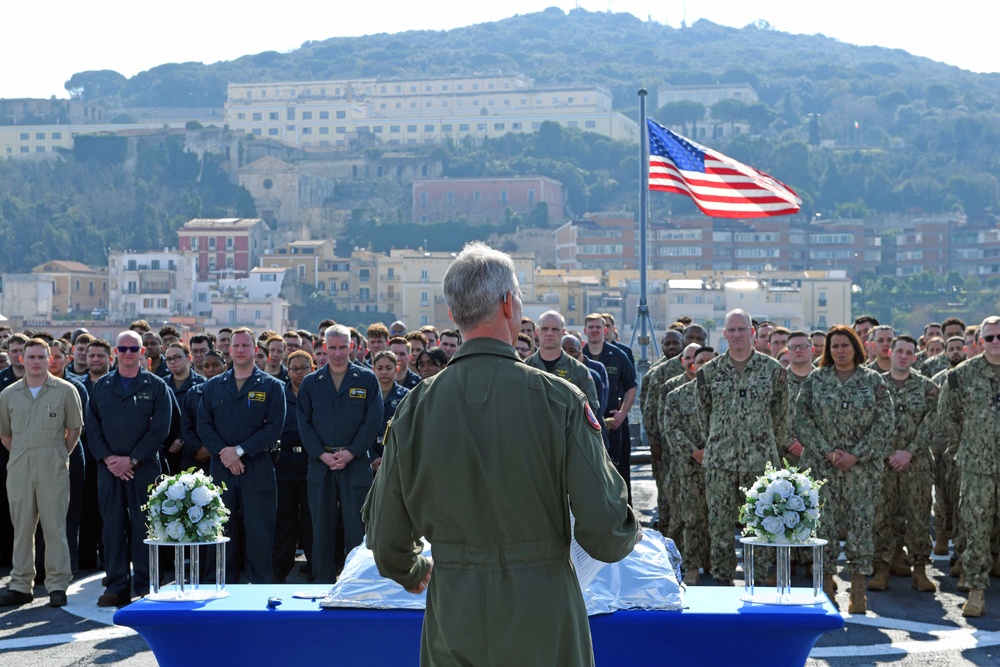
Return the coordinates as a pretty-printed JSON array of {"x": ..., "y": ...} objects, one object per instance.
[{"x": 845, "y": 421}]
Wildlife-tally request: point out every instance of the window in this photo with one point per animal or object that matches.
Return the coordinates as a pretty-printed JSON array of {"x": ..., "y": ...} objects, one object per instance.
[
  {"x": 25, "y": 136},
  {"x": 822, "y": 299},
  {"x": 324, "y": 115},
  {"x": 411, "y": 128},
  {"x": 515, "y": 126},
  {"x": 481, "y": 127},
  {"x": 450, "y": 196},
  {"x": 290, "y": 113},
  {"x": 272, "y": 115},
  {"x": 531, "y": 196},
  {"x": 446, "y": 127},
  {"x": 476, "y": 195},
  {"x": 497, "y": 126},
  {"x": 324, "y": 130},
  {"x": 272, "y": 131},
  {"x": 463, "y": 127},
  {"x": 572, "y": 123},
  {"x": 590, "y": 124},
  {"x": 307, "y": 115},
  {"x": 503, "y": 197},
  {"x": 341, "y": 130},
  {"x": 364, "y": 275},
  {"x": 39, "y": 135},
  {"x": 39, "y": 149},
  {"x": 58, "y": 135},
  {"x": 211, "y": 243},
  {"x": 194, "y": 243},
  {"x": 229, "y": 243},
  {"x": 428, "y": 128},
  {"x": 394, "y": 129},
  {"x": 307, "y": 130},
  {"x": 423, "y": 199},
  {"x": 258, "y": 116},
  {"x": 341, "y": 115},
  {"x": 424, "y": 300}
]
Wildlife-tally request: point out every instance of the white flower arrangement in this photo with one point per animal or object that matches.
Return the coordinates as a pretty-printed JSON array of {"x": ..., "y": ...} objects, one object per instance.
[
  {"x": 185, "y": 508},
  {"x": 782, "y": 507}
]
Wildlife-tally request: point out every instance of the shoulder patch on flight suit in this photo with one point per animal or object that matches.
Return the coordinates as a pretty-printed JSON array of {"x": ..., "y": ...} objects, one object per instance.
[
  {"x": 259, "y": 396},
  {"x": 358, "y": 393},
  {"x": 591, "y": 419}
]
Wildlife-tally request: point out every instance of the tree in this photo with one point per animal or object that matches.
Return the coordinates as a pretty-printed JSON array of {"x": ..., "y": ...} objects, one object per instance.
[
  {"x": 95, "y": 84},
  {"x": 682, "y": 113},
  {"x": 729, "y": 111}
]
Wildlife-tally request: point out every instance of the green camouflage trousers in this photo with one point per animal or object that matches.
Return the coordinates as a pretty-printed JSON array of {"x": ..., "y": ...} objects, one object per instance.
[
  {"x": 695, "y": 523},
  {"x": 977, "y": 506},
  {"x": 904, "y": 494},
  {"x": 724, "y": 498},
  {"x": 848, "y": 505},
  {"x": 659, "y": 469}
]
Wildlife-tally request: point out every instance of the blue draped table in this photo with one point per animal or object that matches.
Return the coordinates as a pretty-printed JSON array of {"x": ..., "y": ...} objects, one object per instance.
[{"x": 715, "y": 628}]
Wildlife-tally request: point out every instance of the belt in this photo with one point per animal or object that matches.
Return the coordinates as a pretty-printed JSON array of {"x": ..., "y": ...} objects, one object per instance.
[
  {"x": 333, "y": 450},
  {"x": 294, "y": 450}
]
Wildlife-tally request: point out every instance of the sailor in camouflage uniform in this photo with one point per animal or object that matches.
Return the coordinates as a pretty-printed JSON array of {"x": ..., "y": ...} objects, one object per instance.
[
  {"x": 667, "y": 485},
  {"x": 743, "y": 408},
  {"x": 686, "y": 442},
  {"x": 907, "y": 477},
  {"x": 844, "y": 414},
  {"x": 969, "y": 410},
  {"x": 945, "y": 477},
  {"x": 667, "y": 366}
]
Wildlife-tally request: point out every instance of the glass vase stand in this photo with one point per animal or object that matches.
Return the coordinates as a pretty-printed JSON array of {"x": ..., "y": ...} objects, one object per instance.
[
  {"x": 782, "y": 593},
  {"x": 187, "y": 589}
]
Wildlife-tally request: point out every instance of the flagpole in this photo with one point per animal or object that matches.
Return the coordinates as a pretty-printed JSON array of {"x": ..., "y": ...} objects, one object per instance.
[{"x": 643, "y": 314}]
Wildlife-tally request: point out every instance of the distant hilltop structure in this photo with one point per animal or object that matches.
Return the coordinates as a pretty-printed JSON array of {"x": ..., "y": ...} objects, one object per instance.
[{"x": 417, "y": 111}]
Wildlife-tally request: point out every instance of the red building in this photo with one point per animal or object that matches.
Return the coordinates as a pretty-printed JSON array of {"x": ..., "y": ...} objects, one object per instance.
[
  {"x": 486, "y": 200},
  {"x": 226, "y": 247}
]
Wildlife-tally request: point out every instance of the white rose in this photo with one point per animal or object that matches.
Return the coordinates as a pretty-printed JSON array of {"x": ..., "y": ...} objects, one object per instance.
[
  {"x": 187, "y": 480},
  {"x": 791, "y": 519},
  {"x": 158, "y": 533},
  {"x": 195, "y": 513},
  {"x": 814, "y": 498},
  {"x": 812, "y": 514},
  {"x": 175, "y": 530},
  {"x": 753, "y": 493},
  {"x": 202, "y": 496},
  {"x": 773, "y": 524},
  {"x": 765, "y": 498},
  {"x": 177, "y": 491},
  {"x": 154, "y": 510},
  {"x": 796, "y": 503},
  {"x": 782, "y": 487},
  {"x": 170, "y": 507},
  {"x": 801, "y": 533},
  {"x": 161, "y": 487}
]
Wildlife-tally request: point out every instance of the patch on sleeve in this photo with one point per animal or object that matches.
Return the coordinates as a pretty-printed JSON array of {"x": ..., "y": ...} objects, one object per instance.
[
  {"x": 591, "y": 419},
  {"x": 358, "y": 393}
]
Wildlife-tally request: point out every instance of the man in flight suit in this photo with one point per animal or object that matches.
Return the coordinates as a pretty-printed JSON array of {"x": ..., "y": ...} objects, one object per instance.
[
  {"x": 492, "y": 497},
  {"x": 340, "y": 416},
  {"x": 128, "y": 420},
  {"x": 240, "y": 418}
]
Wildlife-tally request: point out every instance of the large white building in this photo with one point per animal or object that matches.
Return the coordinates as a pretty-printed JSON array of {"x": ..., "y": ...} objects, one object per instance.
[{"x": 417, "y": 111}]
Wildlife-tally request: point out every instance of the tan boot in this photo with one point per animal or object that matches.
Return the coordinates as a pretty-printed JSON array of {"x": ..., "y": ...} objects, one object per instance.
[
  {"x": 941, "y": 544},
  {"x": 920, "y": 581},
  {"x": 830, "y": 588},
  {"x": 962, "y": 586},
  {"x": 692, "y": 577},
  {"x": 858, "y": 603},
  {"x": 880, "y": 581},
  {"x": 975, "y": 606},
  {"x": 898, "y": 566}
]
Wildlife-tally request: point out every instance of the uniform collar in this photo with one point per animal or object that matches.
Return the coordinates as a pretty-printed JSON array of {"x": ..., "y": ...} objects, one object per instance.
[{"x": 477, "y": 346}]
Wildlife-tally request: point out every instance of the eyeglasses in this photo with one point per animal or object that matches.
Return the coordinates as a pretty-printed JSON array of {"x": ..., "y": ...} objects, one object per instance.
[
  {"x": 134, "y": 349},
  {"x": 803, "y": 346},
  {"x": 173, "y": 358},
  {"x": 991, "y": 337},
  {"x": 299, "y": 369}
]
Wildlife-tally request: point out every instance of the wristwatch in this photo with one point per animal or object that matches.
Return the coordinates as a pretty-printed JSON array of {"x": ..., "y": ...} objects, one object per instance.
[
  {"x": 240, "y": 451},
  {"x": 134, "y": 461}
]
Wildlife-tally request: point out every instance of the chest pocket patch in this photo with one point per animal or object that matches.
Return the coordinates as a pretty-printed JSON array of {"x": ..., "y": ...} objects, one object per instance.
[{"x": 358, "y": 393}]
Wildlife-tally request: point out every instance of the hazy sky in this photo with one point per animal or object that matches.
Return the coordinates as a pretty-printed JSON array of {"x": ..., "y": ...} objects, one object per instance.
[{"x": 42, "y": 44}]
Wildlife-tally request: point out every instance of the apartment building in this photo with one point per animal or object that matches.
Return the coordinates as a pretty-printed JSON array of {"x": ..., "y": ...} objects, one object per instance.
[
  {"x": 78, "y": 289},
  {"x": 416, "y": 111},
  {"x": 224, "y": 247},
  {"x": 154, "y": 286}
]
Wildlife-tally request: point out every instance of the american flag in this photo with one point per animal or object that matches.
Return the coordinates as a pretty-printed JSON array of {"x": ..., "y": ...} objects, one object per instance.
[{"x": 720, "y": 186}]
